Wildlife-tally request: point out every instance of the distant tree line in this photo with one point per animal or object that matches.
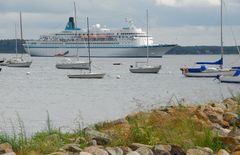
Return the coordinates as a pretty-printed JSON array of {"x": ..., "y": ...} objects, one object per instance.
[
  {"x": 203, "y": 50},
  {"x": 9, "y": 46}
]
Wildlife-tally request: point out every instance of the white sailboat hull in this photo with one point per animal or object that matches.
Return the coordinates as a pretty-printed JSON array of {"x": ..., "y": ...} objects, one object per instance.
[
  {"x": 154, "y": 51},
  {"x": 145, "y": 69},
  {"x": 74, "y": 65},
  {"x": 210, "y": 73},
  {"x": 20, "y": 64},
  {"x": 230, "y": 79},
  {"x": 88, "y": 75}
]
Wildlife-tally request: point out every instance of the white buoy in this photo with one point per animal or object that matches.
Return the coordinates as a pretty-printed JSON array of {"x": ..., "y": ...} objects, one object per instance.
[
  {"x": 118, "y": 77},
  {"x": 28, "y": 73}
]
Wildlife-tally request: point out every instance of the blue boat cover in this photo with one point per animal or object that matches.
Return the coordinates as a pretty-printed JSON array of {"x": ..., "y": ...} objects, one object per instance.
[
  {"x": 236, "y": 68},
  {"x": 237, "y": 73},
  {"x": 197, "y": 70},
  {"x": 219, "y": 62}
]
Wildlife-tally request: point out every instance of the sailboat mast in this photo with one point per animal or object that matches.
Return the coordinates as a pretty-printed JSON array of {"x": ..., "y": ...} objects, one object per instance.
[
  {"x": 75, "y": 26},
  {"x": 16, "y": 48},
  {"x": 21, "y": 30},
  {"x": 147, "y": 37},
  {"x": 89, "y": 59},
  {"x": 221, "y": 66}
]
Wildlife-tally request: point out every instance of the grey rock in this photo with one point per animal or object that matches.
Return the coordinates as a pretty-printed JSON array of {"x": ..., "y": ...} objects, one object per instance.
[
  {"x": 6, "y": 148},
  {"x": 119, "y": 121},
  {"x": 72, "y": 148},
  {"x": 85, "y": 153},
  {"x": 133, "y": 153},
  {"x": 135, "y": 146},
  {"x": 95, "y": 150},
  {"x": 217, "y": 129},
  {"x": 230, "y": 117},
  {"x": 59, "y": 153},
  {"x": 9, "y": 153},
  {"x": 144, "y": 151},
  {"x": 235, "y": 132},
  {"x": 125, "y": 149},
  {"x": 222, "y": 152},
  {"x": 198, "y": 152},
  {"x": 176, "y": 150},
  {"x": 93, "y": 142},
  {"x": 101, "y": 138},
  {"x": 114, "y": 151},
  {"x": 162, "y": 150}
]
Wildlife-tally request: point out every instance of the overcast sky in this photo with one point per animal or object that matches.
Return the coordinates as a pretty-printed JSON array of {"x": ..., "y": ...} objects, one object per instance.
[{"x": 183, "y": 22}]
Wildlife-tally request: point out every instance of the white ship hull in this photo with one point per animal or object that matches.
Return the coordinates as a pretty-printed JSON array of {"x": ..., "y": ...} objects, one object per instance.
[{"x": 154, "y": 51}]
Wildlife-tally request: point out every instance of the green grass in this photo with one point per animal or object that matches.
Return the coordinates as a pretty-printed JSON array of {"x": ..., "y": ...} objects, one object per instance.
[
  {"x": 153, "y": 128},
  {"x": 177, "y": 126}
]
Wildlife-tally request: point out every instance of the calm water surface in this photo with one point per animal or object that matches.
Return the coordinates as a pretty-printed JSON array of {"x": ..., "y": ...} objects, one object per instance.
[{"x": 70, "y": 101}]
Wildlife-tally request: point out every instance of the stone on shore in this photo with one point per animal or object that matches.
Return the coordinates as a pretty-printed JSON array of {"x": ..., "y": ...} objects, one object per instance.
[
  {"x": 72, "y": 148},
  {"x": 177, "y": 150},
  {"x": 133, "y": 153},
  {"x": 95, "y": 150},
  {"x": 5, "y": 148},
  {"x": 101, "y": 138},
  {"x": 231, "y": 105},
  {"x": 199, "y": 151},
  {"x": 85, "y": 153},
  {"x": 114, "y": 151},
  {"x": 162, "y": 150},
  {"x": 59, "y": 153},
  {"x": 144, "y": 151},
  {"x": 222, "y": 152},
  {"x": 135, "y": 146}
]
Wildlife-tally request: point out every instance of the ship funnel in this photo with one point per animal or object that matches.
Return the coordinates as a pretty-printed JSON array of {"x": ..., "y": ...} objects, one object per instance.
[{"x": 71, "y": 24}]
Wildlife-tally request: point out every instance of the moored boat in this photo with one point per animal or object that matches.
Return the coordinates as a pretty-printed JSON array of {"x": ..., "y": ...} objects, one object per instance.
[
  {"x": 235, "y": 78},
  {"x": 145, "y": 69},
  {"x": 204, "y": 71},
  {"x": 72, "y": 64},
  {"x": 129, "y": 41},
  {"x": 90, "y": 74}
]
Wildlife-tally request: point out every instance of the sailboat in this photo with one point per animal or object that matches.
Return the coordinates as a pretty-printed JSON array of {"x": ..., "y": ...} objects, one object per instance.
[
  {"x": 235, "y": 78},
  {"x": 90, "y": 74},
  {"x": 18, "y": 61},
  {"x": 145, "y": 67},
  {"x": 69, "y": 63},
  {"x": 203, "y": 70}
]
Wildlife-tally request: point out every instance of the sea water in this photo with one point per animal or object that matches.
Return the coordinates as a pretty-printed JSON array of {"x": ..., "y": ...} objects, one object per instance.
[{"x": 28, "y": 94}]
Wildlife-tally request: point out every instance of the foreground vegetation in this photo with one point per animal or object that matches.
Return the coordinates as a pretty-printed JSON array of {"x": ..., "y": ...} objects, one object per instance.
[{"x": 184, "y": 126}]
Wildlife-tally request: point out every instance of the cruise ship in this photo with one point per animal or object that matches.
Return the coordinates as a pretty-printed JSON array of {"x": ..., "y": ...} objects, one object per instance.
[{"x": 129, "y": 41}]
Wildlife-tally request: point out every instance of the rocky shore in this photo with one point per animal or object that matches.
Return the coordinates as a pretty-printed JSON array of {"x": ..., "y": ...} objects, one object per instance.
[{"x": 207, "y": 129}]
